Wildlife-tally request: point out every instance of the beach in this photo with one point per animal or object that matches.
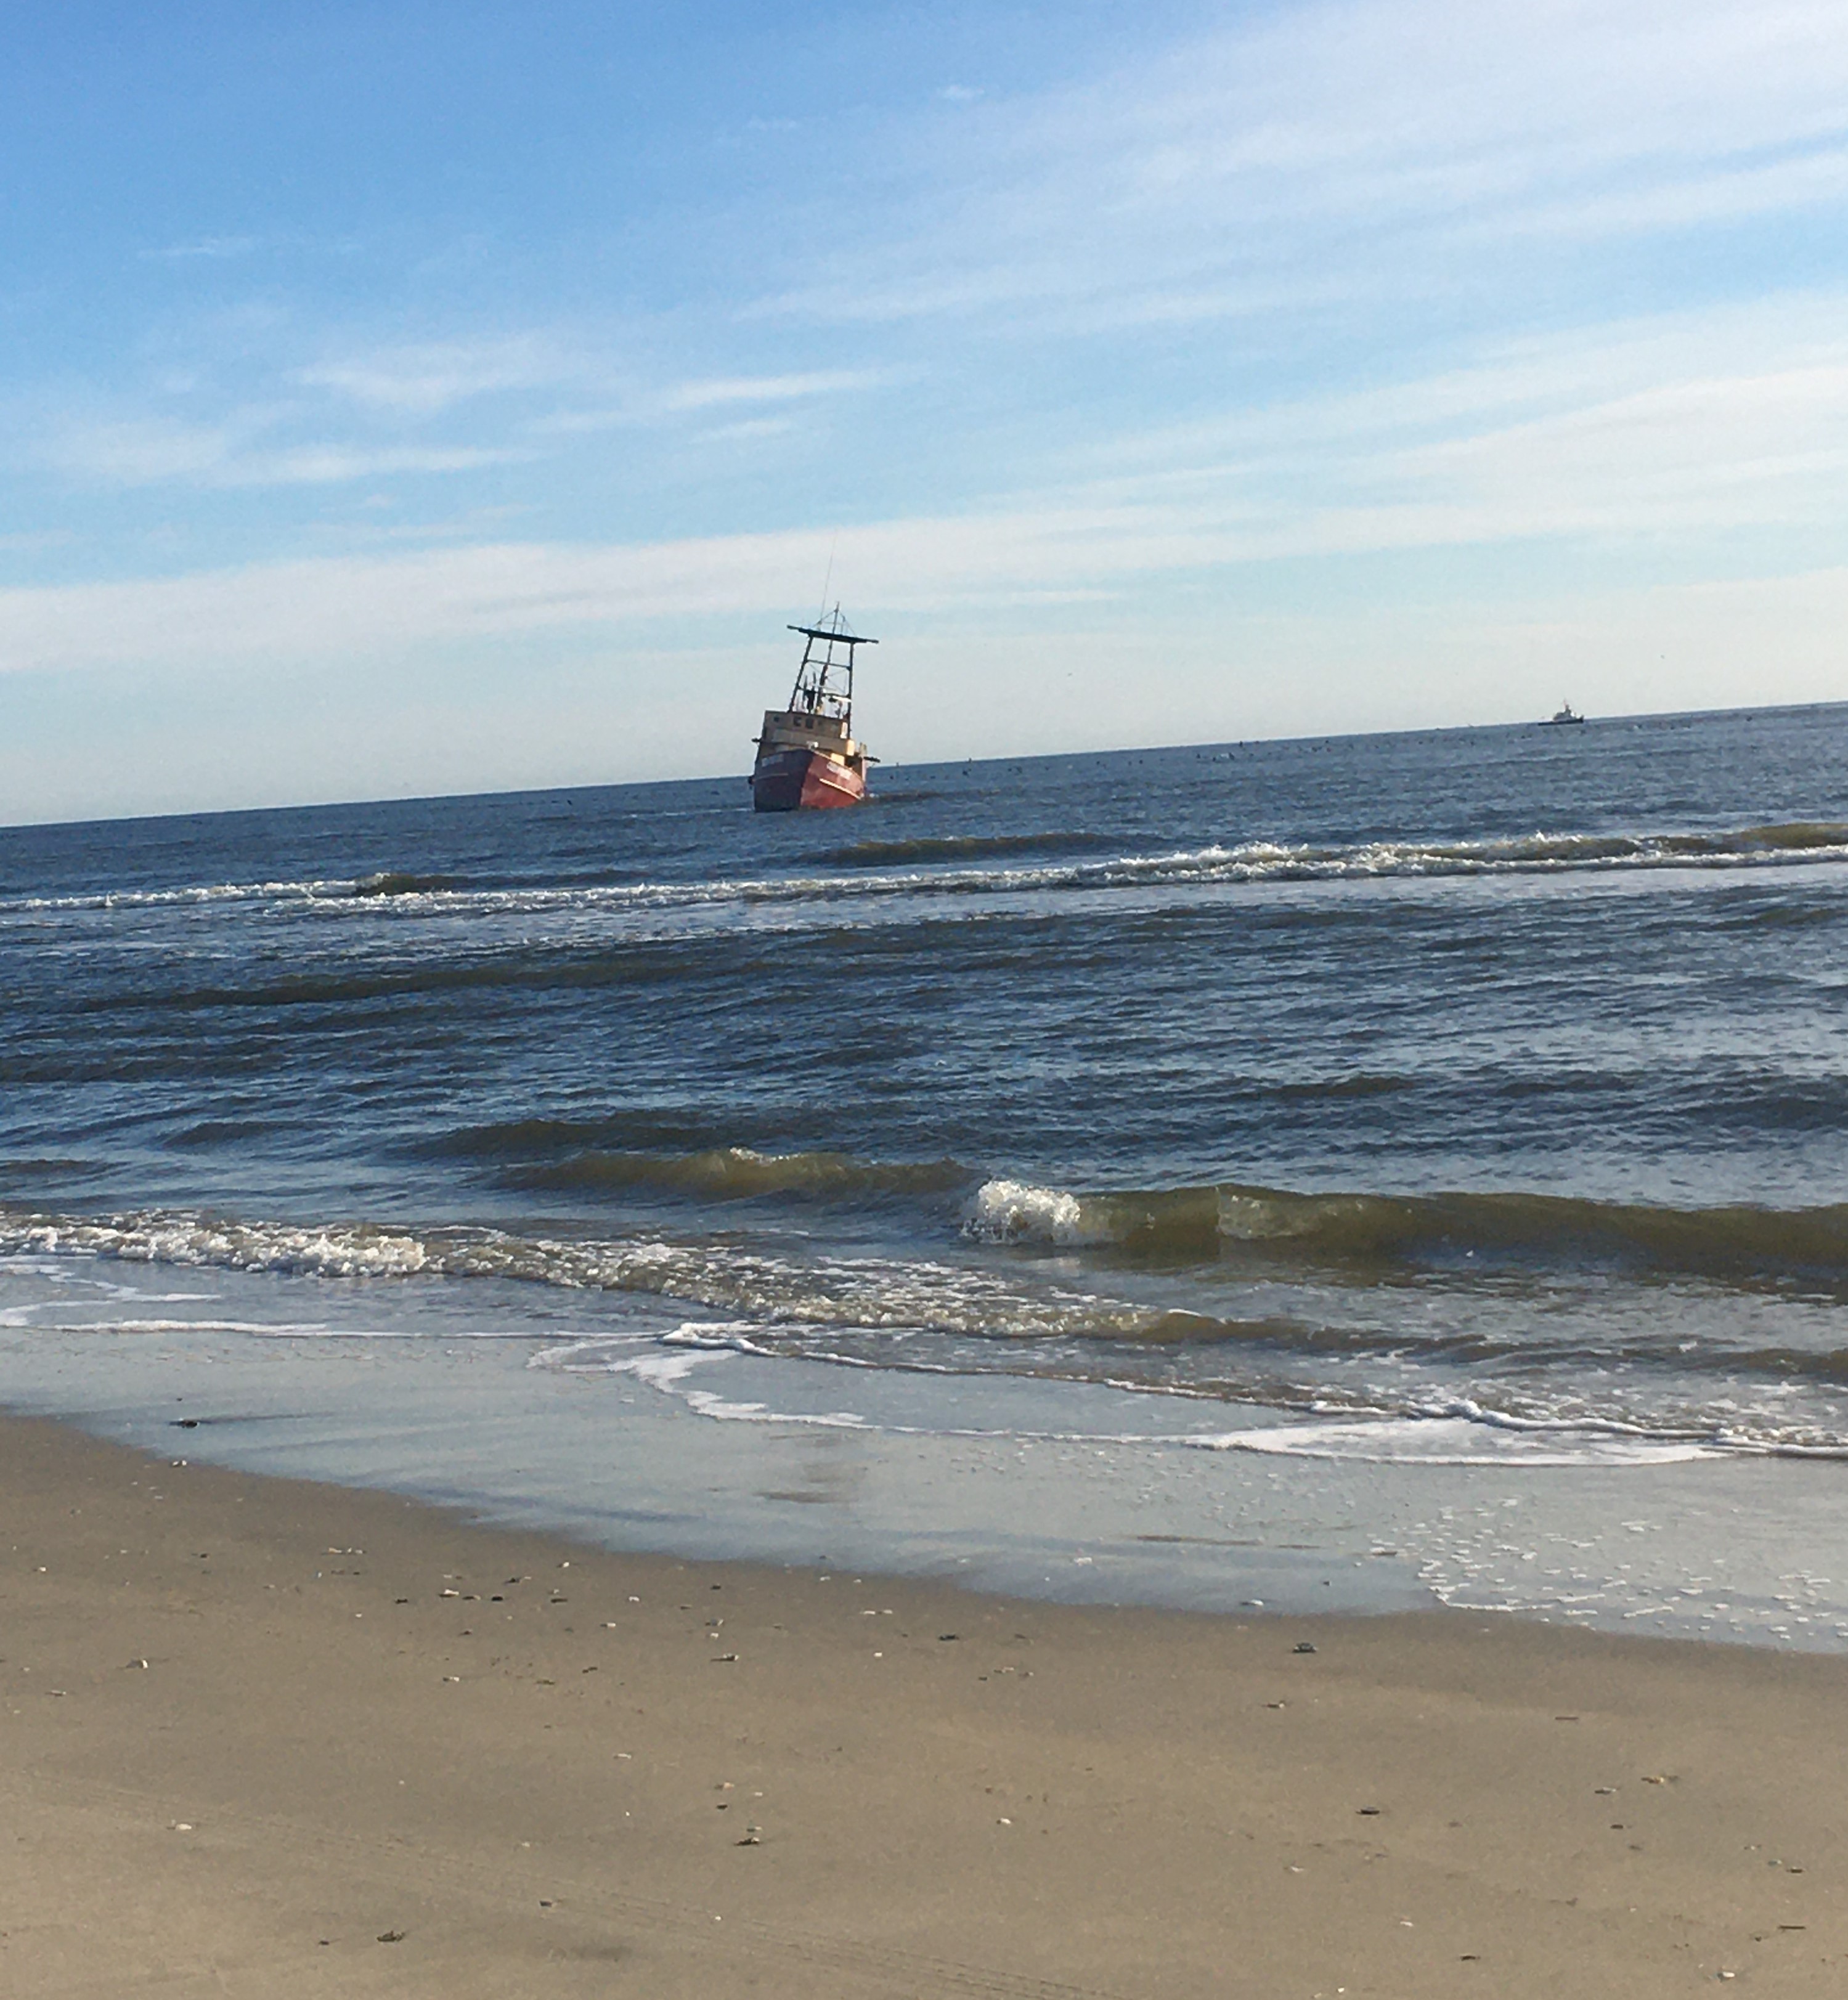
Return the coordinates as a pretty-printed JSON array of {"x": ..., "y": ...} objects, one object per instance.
[
  {"x": 1212, "y": 1371},
  {"x": 266, "y": 1736}
]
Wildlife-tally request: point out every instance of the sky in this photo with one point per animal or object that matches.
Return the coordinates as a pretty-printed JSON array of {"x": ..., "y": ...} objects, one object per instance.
[{"x": 430, "y": 396}]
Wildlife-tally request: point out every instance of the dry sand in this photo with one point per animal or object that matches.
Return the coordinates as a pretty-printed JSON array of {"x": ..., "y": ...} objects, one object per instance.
[{"x": 264, "y": 1738}]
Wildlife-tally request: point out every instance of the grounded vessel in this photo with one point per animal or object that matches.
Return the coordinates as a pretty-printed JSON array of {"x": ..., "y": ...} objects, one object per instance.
[{"x": 806, "y": 755}]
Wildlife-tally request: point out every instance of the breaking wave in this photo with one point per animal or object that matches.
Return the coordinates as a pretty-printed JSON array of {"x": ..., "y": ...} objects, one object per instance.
[
  {"x": 720, "y": 1274},
  {"x": 1328, "y": 1353},
  {"x": 1349, "y": 1238},
  {"x": 927, "y": 866},
  {"x": 1274, "y": 1226},
  {"x": 394, "y": 882}
]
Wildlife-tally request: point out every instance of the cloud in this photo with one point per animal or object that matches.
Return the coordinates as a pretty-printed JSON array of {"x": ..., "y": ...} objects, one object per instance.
[
  {"x": 323, "y": 465},
  {"x": 708, "y": 394},
  {"x": 155, "y": 452},
  {"x": 205, "y": 247},
  {"x": 339, "y": 607},
  {"x": 751, "y": 427},
  {"x": 1365, "y": 148},
  {"x": 1499, "y": 378},
  {"x": 929, "y": 567},
  {"x": 400, "y": 409},
  {"x": 646, "y": 404},
  {"x": 1671, "y": 435},
  {"x": 505, "y": 691},
  {"x": 140, "y": 452},
  {"x": 422, "y": 380}
]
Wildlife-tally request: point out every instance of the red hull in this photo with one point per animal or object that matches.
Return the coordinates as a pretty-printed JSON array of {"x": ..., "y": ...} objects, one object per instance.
[
  {"x": 825, "y": 783},
  {"x": 786, "y": 780}
]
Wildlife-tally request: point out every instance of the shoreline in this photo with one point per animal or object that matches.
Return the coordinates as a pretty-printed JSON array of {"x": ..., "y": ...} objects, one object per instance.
[
  {"x": 378, "y": 1746},
  {"x": 462, "y": 1396}
]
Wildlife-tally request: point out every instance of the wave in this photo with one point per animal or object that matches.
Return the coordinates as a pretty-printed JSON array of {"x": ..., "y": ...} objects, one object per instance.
[
  {"x": 586, "y": 1154},
  {"x": 789, "y": 1297},
  {"x": 1338, "y": 1358},
  {"x": 185, "y": 896},
  {"x": 1750, "y": 846},
  {"x": 872, "y": 1293},
  {"x": 211, "y": 1133},
  {"x": 959, "y": 847},
  {"x": 738, "y": 1173},
  {"x": 808, "y": 1306},
  {"x": 1276, "y": 1227},
  {"x": 519, "y": 1138},
  {"x": 61, "y": 1167},
  {"x": 392, "y": 882},
  {"x": 1361, "y": 1237}
]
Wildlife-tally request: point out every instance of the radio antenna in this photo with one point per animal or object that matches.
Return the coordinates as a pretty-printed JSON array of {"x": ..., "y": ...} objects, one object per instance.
[{"x": 828, "y": 581}]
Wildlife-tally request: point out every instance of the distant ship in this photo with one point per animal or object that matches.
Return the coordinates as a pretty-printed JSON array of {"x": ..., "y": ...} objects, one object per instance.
[
  {"x": 806, "y": 755},
  {"x": 1565, "y": 713}
]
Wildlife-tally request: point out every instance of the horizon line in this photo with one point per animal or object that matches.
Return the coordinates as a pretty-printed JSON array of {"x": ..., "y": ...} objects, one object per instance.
[{"x": 935, "y": 763}]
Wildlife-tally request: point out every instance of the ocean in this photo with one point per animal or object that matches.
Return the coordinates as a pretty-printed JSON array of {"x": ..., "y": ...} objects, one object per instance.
[{"x": 1362, "y": 1171}]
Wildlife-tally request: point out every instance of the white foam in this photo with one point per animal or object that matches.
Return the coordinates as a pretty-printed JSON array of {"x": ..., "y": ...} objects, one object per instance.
[
  {"x": 1457, "y": 1434},
  {"x": 325, "y": 1252},
  {"x": 879, "y": 1314},
  {"x": 1006, "y": 1211},
  {"x": 660, "y": 1371},
  {"x": 1253, "y": 861},
  {"x": 734, "y": 1337},
  {"x": 705, "y": 1404},
  {"x": 618, "y": 1354},
  {"x": 872, "y": 1294},
  {"x": 198, "y": 893},
  {"x": 58, "y": 1270},
  {"x": 695, "y": 1347},
  {"x": 1453, "y": 1440},
  {"x": 284, "y": 1329}
]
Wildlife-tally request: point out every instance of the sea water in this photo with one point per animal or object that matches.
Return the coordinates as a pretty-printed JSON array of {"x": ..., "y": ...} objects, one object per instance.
[{"x": 1350, "y": 1171}]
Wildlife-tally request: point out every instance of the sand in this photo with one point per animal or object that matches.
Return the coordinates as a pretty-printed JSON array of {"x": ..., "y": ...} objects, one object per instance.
[{"x": 265, "y": 1737}]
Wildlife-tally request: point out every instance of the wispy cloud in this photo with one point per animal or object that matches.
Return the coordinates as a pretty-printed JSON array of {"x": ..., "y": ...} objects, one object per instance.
[
  {"x": 208, "y": 248},
  {"x": 411, "y": 409},
  {"x": 150, "y": 452},
  {"x": 1493, "y": 382},
  {"x": 750, "y": 427},
  {"x": 1677, "y": 433},
  {"x": 647, "y": 402},
  {"x": 1382, "y": 140},
  {"x": 1672, "y": 435},
  {"x": 425, "y": 378},
  {"x": 708, "y": 394}
]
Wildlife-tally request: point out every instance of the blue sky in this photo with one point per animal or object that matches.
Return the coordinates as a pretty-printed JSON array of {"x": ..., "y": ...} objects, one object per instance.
[{"x": 409, "y": 398}]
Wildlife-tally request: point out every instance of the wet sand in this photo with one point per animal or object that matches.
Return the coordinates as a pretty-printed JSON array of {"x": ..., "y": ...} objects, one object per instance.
[{"x": 260, "y": 1737}]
